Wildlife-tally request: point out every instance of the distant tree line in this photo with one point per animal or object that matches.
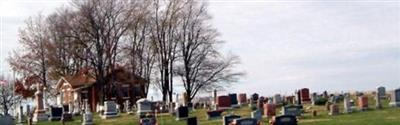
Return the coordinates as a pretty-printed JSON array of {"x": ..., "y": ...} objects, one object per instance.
[{"x": 159, "y": 40}]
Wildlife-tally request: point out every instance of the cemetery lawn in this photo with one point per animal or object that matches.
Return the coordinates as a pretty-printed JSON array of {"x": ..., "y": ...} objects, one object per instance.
[{"x": 385, "y": 116}]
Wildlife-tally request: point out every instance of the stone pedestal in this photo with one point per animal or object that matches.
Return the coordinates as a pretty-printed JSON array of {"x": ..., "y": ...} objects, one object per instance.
[{"x": 40, "y": 113}]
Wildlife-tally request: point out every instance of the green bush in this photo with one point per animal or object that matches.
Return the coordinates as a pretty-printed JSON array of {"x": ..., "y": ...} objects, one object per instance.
[{"x": 321, "y": 101}]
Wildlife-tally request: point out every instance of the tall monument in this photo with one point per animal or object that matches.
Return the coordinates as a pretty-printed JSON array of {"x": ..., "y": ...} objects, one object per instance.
[{"x": 40, "y": 113}]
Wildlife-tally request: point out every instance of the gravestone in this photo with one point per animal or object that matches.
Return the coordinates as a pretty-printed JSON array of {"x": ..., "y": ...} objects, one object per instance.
[
  {"x": 269, "y": 109},
  {"x": 242, "y": 99},
  {"x": 182, "y": 113},
  {"x": 245, "y": 121},
  {"x": 110, "y": 110},
  {"x": 347, "y": 105},
  {"x": 284, "y": 120},
  {"x": 224, "y": 102},
  {"x": 257, "y": 114},
  {"x": 66, "y": 116},
  {"x": 87, "y": 116},
  {"x": 234, "y": 101},
  {"x": 298, "y": 97},
  {"x": 229, "y": 118},
  {"x": 363, "y": 102},
  {"x": 191, "y": 121},
  {"x": 294, "y": 110},
  {"x": 260, "y": 104},
  {"x": 290, "y": 99},
  {"x": 305, "y": 95},
  {"x": 6, "y": 120},
  {"x": 381, "y": 91},
  {"x": 254, "y": 98},
  {"x": 76, "y": 110},
  {"x": 334, "y": 109},
  {"x": 20, "y": 115},
  {"x": 314, "y": 98},
  {"x": 395, "y": 98},
  {"x": 144, "y": 106},
  {"x": 378, "y": 103},
  {"x": 325, "y": 94},
  {"x": 55, "y": 113},
  {"x": 277, "y": 99},
  {"x": 215, "y": 114}
]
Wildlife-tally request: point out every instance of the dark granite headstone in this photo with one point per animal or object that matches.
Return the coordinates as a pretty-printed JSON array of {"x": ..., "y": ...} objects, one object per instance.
[
  {"x": 55, "y": 113},
  {"x": 191, "y": 121},
  {"x": 294, "y": 110},
  {"x": 245, "y": 121},
  {"x": 182, "y": 113},
  {"x": 214, "y": 114},
  {"x": 229, "y": 118},
  {"x": 234, "y": 100},
  {"x": 285, "y": 120}
]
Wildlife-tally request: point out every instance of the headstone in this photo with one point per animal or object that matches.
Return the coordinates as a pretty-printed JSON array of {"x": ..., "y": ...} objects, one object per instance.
[
  {"x": 363, "y": 102},
  {"x": 314, "y": 97},
  {"x": 257, "y": 114},
  {"x": 191, "y": 121},
  {"x": 290, "y": 99},
  {"x": 40, "y": 113},
  {"x": 325, "y": 94},
  {"x": 294, "y": 110},
  {"x": 277, "y": 99},
  {"x": 55, "y": 113},
  {"x": 242, "y": 99},
  {"x": 76, "y": 109},
  {"x": 87, "y": 116},
  {"x": 224, "y": 102},
  {"x": 269, "y": 109},
  {"x": 260, "y": 104},
  {"x": 245, "y": 121},
  {"x": 395, "y": 98},
  {"x": 347, "y": 105},
  {"x": 305, "y": 95},
  {"x": 254, "y": 98},
  {"x": 378, "y": 103},
  {"x": 66, "y": 116},
  {"x": 6, "y": 120},
  {"x": 229, "y": 118},
  {"x": 298, "y": 97},
  {"x": 110, "y": 110},
  {"x": 214, "y": 114},
  {"x": 144, "y": 106},
  {"x": 284, "y": 120},
  {"x": 234, "y": 101},
  {"x": 20, "y": 115},
  {"x": 381, "y": 91},
  {"x": 182, "y": 113},
  {"x": 334, "y": 109}
]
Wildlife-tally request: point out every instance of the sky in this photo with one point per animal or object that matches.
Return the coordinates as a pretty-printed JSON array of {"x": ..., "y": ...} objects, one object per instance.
[{"x": 283, "y": 45}]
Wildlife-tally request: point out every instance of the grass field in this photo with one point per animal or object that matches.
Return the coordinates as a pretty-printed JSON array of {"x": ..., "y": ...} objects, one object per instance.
[{"x": 385, "y": 116}]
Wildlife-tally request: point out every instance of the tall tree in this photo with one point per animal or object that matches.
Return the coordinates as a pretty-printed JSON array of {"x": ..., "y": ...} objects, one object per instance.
[
  {"x": 164, "y": 36},
  {"x": 201, "y": 65}
]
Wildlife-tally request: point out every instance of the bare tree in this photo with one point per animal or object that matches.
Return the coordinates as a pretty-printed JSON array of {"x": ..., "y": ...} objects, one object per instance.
[
  {"x": 165, "y": 37},
  {"x": 137, "y": 50},
  {"x": 7, "y": 97},
  {"x": 201, "y": 65}
]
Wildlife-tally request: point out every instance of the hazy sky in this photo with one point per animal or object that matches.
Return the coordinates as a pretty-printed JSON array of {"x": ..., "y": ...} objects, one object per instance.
[{"x": 283, "y": 45}]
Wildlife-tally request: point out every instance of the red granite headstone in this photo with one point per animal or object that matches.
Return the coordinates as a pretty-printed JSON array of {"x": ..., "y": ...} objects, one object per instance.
[
  {"x": 242, "y": 98},
  {"x": 269, "y": 109},
  {"x": 305, "y": 95},
  {"x": 223, "y": 102},
  {"x": 363, "y": 102}
]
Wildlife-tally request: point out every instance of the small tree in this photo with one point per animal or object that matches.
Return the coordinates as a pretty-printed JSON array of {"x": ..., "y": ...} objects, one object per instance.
[{"x": 7, "y": 97}]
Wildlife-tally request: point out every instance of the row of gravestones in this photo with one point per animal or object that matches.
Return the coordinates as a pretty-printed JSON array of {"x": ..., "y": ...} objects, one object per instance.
[
  {"x": 349, "y": 104},
  {"x": 287, "y": 118}
]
